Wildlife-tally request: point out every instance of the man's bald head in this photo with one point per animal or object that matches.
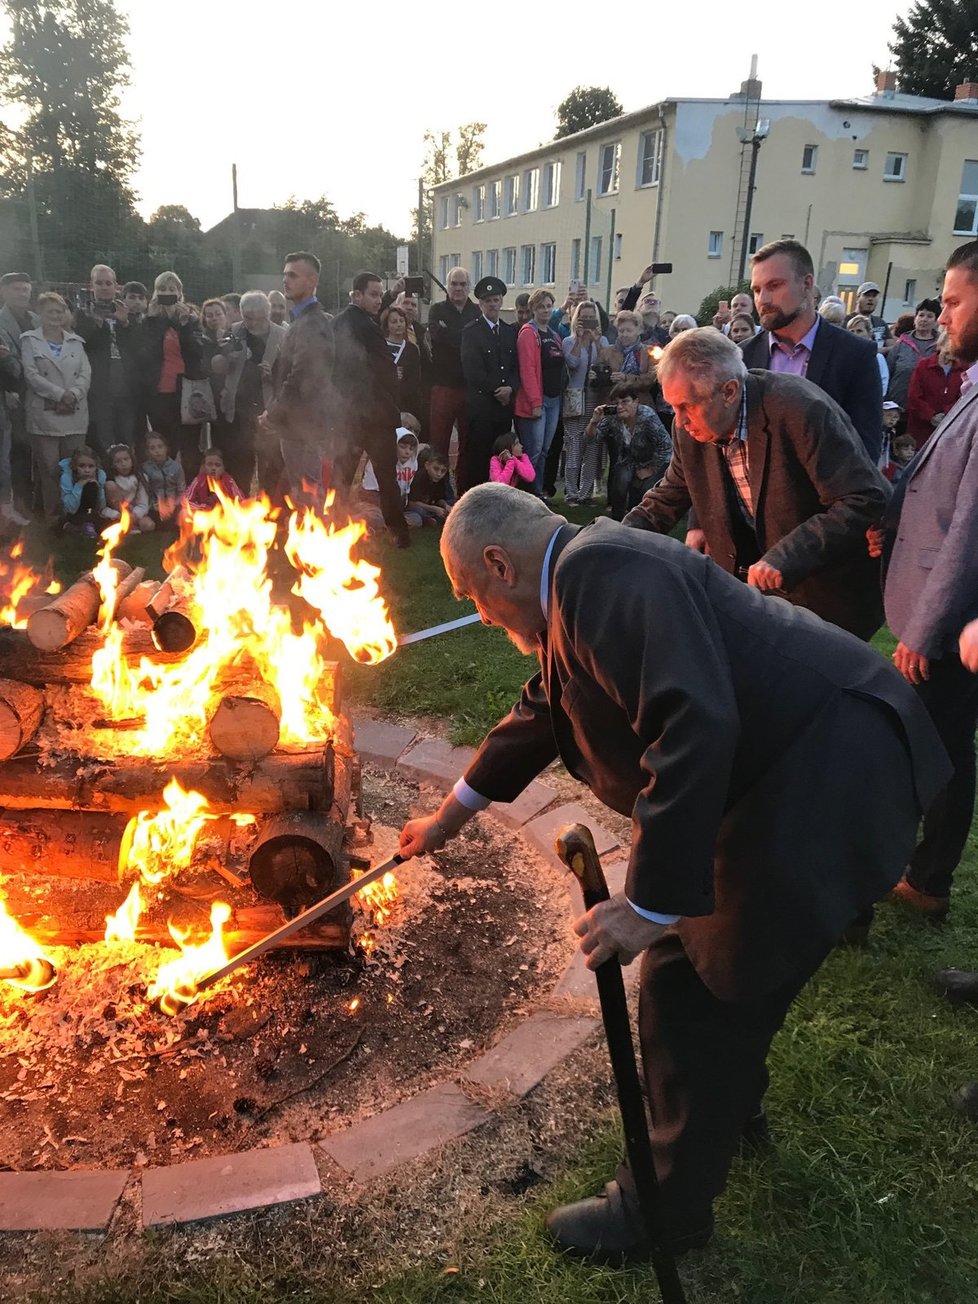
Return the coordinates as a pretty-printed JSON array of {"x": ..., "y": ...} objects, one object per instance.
[{"x": 494, "y": 514}]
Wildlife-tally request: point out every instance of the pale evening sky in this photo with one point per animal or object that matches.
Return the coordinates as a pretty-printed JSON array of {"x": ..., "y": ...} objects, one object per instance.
[{"x": 310, "y": 98}]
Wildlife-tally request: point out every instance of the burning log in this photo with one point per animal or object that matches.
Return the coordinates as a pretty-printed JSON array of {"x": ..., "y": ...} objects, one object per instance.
[
  {"x": 246, "y": 727},
  {"x": 72, "y": 664},
  {"x": 127, "y": 587},
  {"x": 69, "y": 614},
  {"x": 248, "y": 926},
  {"x": 21, "y": 709},
  {"x": 297, "y": 860},
  {"x": 134, "y": 606},
  {"x": 284, "y": 781},
  {"x": 66, "y": 844},
  {"x": 169, "y": 611}
]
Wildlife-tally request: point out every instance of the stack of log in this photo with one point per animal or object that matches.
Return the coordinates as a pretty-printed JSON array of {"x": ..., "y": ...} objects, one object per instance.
[{"x": 63, "y": 809}]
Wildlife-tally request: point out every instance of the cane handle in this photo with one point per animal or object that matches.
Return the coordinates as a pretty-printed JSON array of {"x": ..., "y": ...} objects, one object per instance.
[{"x": 575, "y": 847}]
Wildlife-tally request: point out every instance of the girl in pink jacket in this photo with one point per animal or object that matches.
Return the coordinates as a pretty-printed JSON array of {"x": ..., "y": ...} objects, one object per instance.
[{"x": 509, "y": 464}]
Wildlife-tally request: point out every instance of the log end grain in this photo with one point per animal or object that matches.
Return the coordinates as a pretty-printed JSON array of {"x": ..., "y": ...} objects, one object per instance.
[
  {"x": 21, "y": 709},
  {"x": 244, "y": 729}
]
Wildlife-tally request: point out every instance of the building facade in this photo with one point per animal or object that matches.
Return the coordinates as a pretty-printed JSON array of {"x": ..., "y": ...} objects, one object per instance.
[{"x": 879, "y": 188}]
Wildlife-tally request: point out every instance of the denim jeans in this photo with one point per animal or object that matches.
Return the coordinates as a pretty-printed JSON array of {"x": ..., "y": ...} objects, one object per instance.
[{"x": 536, "y": 436}]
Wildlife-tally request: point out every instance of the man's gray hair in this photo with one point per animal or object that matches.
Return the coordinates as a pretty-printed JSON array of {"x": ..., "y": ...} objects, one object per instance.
[
  {"x": 255, "y": 299},
  {"x": 706, "y": 355},
  {"x": 494, "y": 513}
]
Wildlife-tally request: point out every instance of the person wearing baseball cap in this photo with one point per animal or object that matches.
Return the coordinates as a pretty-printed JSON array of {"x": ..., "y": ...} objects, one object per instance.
[
  {"x": 867, "y": 300},
  {"x": 492, "y": 377}
]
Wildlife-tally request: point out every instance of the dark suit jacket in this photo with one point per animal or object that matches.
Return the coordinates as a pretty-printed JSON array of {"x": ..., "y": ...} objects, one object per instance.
[
  {"x": 364, "y": 374},
  {"x": 845, "y": 366},
  {"x": 729, "y": 728},
  {"x": 488, "y": 361},
  {"x": 815, "y": 494},
  {"x": 97, "y": 334},
  {"x": 300, "y": 410}
]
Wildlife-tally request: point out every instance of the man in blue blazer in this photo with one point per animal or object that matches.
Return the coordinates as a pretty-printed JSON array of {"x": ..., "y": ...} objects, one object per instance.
[
  {"x": 931, "y": 592},
  {"x": 795, "y": 340}
]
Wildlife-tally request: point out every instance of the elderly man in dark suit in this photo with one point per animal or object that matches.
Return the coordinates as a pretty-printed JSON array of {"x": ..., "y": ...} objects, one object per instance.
[
  {"x": 773, "y": 768},
  {"x": 931, "y": 592},
  {"x": 492, "y": 377},
  {"x": 298, "y": 416},
  {"x": 782, "y": 488}
]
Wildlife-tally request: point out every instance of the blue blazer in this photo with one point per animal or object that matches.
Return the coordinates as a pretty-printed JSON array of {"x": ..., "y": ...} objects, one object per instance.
[
  {"x": 845, "y": 366},
  {"x": 931, "y": 585}
]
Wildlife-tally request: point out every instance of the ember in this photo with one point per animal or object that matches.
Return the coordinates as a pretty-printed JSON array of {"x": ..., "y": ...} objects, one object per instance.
[
  {"x": 21, "y": 589},
  {"x": 22, "y": 963}
]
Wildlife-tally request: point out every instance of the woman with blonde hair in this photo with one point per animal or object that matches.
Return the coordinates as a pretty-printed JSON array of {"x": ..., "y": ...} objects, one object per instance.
[
  {"x": 57, "y": 375},
  {"x": 582, "y": 349},
  {"x": 169, "y": 349},
  {"x": 862, "y": 326}
]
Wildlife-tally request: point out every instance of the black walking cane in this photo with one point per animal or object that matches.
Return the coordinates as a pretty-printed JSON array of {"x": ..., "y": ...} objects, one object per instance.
[{"x": 575, "y": 847}]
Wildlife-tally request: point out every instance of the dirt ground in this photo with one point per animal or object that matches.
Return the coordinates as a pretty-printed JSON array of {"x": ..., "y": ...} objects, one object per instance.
[{"x": 91, "y": 1075}]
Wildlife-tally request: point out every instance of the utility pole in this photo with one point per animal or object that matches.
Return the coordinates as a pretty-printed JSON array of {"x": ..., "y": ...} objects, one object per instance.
[
  {"x": 420, "y": 221},
  {"x": 755, "y": 138}
]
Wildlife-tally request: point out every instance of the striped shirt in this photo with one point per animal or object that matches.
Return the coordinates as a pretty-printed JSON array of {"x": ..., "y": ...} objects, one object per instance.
[{"x": 738, "y": 461}]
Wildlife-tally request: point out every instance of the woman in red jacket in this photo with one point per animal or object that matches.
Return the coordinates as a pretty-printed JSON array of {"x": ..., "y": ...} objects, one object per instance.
[
  {"x": 934, "y": 388},
  {"x": 541, "y": 359}
]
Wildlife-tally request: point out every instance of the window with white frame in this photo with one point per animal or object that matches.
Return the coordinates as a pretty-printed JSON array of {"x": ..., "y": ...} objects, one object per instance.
[
  {"x": 966, "y": 213},
  {"x": 443, "y": 268},
  {"x": 910, "y": 291},
  {"x": 649, "y": 157},
  {"x": 454, "y": 260},
  {"x": 458, "y": 204},
  {"x": 860, "y": 159},
  {"x": 548, "y": 264},
  {"x": 475, "y": 266},
  {"x": 528, "y": 263},
  {"x": 492, "y": 262},
  {"x": 609, "y": 161},
  {"x": 511, "y": 196},
  {"x": 531, "y": 190},
  {"x": 809, "y": 157},
  {"x": 755, "y": 241},
  {"x": 714, "y": 246},
  {"x": 495, "y": 199},
  {"x": 509, "y": 265},
  {"x": 478, "y": 203},
  {"x": 617, "y": 252},
  {"x": 575, "y": 260},
  {"x": 551, "y": 185},
  {"x": 443, "y": 213},
  {"x": 895, "y": 167},
  {"x": 594, "y": 271},
  {"x": 580, "y": 176}
]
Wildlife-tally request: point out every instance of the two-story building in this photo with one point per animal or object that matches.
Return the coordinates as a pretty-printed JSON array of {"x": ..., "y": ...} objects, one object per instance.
[{"x": 878, "y": 188}]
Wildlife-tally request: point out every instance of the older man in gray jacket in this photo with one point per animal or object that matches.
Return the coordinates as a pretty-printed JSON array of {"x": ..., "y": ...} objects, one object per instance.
[{"x": 931, "y": 592}]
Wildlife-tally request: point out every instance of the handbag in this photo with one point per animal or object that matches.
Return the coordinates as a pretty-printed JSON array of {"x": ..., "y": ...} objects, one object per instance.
[
  {"x": 196, "y": 402},
  {"x": 573, "y": 402}
]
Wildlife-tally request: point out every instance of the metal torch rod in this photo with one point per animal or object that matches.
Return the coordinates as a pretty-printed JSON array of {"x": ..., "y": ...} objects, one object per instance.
[
  {"x": 302, "y": 921},
  {"x": 575, "y": 847},
  {"x": 422, "y": 634}
]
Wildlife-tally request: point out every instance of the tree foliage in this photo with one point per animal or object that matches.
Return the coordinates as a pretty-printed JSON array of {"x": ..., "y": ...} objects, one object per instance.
[
  {"x": 936, "y": 47},
  {"x": 584, "y": 107},
  {"x": 711, "y": 304},
  {"x": 445, "y": 158}
]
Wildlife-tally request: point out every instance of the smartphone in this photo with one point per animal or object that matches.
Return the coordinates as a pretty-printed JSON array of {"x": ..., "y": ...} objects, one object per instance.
[
  {"x": 576, "y": 287},
  {"x": 167, "y": 300},
  {"x": 414, "y": 285},
  {"x": 724, "y": 305}
]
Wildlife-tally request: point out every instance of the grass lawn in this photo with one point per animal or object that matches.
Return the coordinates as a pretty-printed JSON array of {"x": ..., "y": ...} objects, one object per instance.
[{"x": 871, "y": 1196}]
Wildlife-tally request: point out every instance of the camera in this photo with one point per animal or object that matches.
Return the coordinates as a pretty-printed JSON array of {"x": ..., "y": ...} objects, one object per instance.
[
  {"x": 610, "y": 409},
  {"x": 414, "y": 285},
  {"x": 167, "y": 300},
  {"x": 602, "y": 376},
  {"x": 104, "y": 307},
  {"x": 231, "y": 344}
]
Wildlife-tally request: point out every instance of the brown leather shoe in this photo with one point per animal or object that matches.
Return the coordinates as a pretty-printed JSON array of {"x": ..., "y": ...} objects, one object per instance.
[
  {"x": 934, "y": 908},
  {"x": 608, "y": 1229}
]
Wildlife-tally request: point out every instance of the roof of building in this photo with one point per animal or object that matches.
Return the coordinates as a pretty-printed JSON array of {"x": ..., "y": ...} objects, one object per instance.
[{"x": 889, "y": 102}]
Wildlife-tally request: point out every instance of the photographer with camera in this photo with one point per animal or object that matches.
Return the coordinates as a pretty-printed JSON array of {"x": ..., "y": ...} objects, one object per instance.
[
  {"x": 110, "y": 339},
  {"x": 168, "y": 348},
  {"x": 581, "y": 350},
  {"x": 641, "y": 443}
]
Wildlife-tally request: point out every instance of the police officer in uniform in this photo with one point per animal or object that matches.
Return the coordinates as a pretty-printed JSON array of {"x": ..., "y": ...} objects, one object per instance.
[{"x": 492, "y": 377}]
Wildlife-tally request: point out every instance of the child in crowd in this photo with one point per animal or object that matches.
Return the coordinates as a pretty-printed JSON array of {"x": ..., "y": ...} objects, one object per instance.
[
  {"x": 892, "y": 412},
  {"x": 432, "y": 494},
  {"x": 901, "y": 451},
  {"x": 201, "y": 496},
  {"x": 82, "y": 486},
  {"x": 405, "y": 469},
  {"x": 509, "y": 464},
  {"x": 127, "y": 488},
  {"x": 164, "y": 479}
]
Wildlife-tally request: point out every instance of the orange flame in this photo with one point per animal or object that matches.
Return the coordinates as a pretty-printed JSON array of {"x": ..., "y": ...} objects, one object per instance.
[
  {"x": 18, "y": 582},
  {"x": 377, "y": 900},
  {"x": 104, "y": 574},
  {"x": 655, "y": 353},
  {"x": 175, "y": 984},
  {"x": 22, "y": 961},
  {"x": 121, "y": 927}
]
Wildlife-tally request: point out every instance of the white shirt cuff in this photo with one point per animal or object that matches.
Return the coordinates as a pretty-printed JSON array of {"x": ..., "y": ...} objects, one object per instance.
[
  {"x": 468, "y": 797},
  {"x": 653, "y": 915}
]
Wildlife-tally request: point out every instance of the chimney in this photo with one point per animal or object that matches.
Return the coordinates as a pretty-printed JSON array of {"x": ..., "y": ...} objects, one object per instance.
[
  {"x": 886, "y": 83},
  {"x": 966, "y": 91},
  {"x": 751, "y": 88}
]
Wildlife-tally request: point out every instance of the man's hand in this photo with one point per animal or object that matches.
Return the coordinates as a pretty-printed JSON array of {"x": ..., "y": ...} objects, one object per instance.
[
  {"x": 537, "y": 412},
  {"x": 762, "y": 575},
  {"x": 503, "y": 394},
  {"x": 646, "y": 275},
  {"x": 121, "y": 313},
  {"x": 266, "y": 370},
  {"x": 418, "y": 837},
  {"x": 968, "y": 647},
  {"x": 696, "y": 540},
  {"x": 614, "y": 928},
  {"x": 875, "y": 538},
  {"x": 914, "y": 666}
]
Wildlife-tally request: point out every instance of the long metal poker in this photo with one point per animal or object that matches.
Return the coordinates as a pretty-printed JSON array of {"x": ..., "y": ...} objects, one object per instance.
[{"x": 422, "y": 634}]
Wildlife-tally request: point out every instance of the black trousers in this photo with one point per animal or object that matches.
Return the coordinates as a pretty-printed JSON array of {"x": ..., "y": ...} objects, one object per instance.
[
  {"x": 483, "y": 433},
  {"x": 379, "y": 442},
  {"x": 706, "y": 1074},
  {"x": 951, "y": 698}
]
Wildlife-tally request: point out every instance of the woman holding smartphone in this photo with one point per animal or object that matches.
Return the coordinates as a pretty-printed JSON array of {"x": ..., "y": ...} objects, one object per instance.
[{"x": 169, "y": 349}]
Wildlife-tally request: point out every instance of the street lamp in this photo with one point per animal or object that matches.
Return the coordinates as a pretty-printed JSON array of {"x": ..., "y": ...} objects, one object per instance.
[{"x": 753, "y": 136}]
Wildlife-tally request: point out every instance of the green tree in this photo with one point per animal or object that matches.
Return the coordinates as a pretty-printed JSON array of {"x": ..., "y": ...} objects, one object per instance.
[
  {"x": 936, "y": 47},
  {"x": 438, "y": 166},
  {"x": 584, "y": 107},
  {"x": 469, "y": 147},
  {"x": 710, "y": 306}
]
